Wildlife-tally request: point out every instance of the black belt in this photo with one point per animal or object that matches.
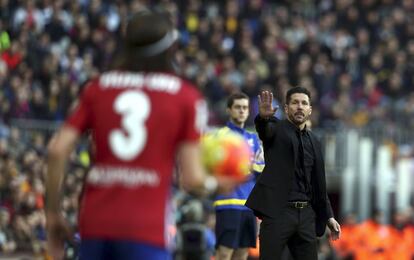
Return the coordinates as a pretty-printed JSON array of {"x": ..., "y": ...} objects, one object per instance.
[{"x": 298, "y": 204}]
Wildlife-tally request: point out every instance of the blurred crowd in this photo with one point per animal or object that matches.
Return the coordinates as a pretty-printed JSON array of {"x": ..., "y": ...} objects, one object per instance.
[
  {"x": 356, "y": 57},
  {"x": 372, "y": 239},
  {"x": 22, "y": 191}
]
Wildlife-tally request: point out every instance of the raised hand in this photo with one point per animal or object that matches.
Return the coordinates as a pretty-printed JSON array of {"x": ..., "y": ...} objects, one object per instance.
[{"x": 266, "y": 108}]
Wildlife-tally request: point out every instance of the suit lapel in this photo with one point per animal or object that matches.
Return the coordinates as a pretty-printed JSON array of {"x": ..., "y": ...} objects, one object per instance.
[
  {"x": 291, "y": 132},
  {"x": 318, "y": 173}
]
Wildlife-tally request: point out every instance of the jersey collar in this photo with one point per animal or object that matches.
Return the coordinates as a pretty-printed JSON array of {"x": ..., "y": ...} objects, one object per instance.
[{"x": 235, "y": 128}]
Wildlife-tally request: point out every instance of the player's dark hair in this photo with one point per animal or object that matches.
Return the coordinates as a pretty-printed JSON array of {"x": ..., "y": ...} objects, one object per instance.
[
  {"x": 234, "y": 96},
  {"x": 148, "y": 43},
  {"x": 296, "y": 90}
]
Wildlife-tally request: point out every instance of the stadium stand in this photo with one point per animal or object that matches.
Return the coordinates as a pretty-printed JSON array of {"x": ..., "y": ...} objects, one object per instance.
[{"x": 357, "y": 58}]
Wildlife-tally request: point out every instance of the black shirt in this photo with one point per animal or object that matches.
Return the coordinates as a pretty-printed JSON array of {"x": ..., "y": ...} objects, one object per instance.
[{"x": 301, "y": 187}]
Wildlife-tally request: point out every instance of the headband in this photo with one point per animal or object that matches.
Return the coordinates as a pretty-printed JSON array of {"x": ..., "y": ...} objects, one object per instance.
[{"x": 160, "y": 45}]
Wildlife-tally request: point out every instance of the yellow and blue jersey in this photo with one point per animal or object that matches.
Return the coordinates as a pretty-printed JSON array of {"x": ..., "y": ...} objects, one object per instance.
[{"x": 237, "y": 198}]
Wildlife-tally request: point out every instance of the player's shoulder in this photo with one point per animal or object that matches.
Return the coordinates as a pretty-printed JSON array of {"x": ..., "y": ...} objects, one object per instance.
[
  {"x": 251, "y": 134},
  {"x": 223, "y": 130},
  {"x": 189, "y": 95},
  {"x": 90, "y": 86},
  {"x": 92, "y": 82},
  {"x": 188, "y": 88},
  {"x": 165, "y": 82}
]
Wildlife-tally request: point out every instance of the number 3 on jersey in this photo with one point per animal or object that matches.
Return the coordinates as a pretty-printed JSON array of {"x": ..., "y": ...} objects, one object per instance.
[{"x": 134, "y": 108}]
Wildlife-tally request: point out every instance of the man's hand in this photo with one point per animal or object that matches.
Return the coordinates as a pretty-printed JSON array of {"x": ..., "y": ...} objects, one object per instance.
[
  {"x": 58, "y": 232},
  {"x": 266, "y": 108},
  {"x": 335, "y": 228}
]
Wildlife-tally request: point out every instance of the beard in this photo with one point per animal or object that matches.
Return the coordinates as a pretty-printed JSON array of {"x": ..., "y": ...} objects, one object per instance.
[{"x": 298, "y": 118}]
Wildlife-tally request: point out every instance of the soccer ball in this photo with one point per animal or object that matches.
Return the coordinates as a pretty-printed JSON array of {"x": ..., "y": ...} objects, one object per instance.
[{"x": 226, "y": 153}]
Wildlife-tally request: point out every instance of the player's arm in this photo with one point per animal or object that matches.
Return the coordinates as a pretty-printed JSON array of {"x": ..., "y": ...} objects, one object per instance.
[
  {"x": 59, "y": 149},
  {"x": 192, "y": 173},
  {"x": 193, "y": 176}
]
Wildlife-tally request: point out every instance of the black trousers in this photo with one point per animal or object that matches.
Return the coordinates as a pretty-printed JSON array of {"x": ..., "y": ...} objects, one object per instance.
[{"x": 294, "y": 228}]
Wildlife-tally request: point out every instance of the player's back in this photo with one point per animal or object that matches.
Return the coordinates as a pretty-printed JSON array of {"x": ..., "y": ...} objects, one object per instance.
[{"x": 137, "y": 120}]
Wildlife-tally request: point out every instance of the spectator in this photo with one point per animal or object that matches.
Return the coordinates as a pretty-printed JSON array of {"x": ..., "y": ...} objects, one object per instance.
[{"x": 7, "y": 242}]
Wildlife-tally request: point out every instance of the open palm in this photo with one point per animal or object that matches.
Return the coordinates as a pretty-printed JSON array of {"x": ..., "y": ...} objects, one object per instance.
[{"x": 266, "y": 108}]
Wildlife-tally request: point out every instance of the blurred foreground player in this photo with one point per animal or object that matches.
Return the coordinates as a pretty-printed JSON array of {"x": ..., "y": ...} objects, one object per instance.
[{"x": 140, "y": 115}]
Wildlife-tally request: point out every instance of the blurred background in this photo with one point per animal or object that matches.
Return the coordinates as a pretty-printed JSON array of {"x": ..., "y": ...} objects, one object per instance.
[{"x": 356, "y": 57}]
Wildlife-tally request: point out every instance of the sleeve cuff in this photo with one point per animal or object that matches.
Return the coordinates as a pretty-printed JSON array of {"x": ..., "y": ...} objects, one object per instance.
[{"x": 259, "y": 119}]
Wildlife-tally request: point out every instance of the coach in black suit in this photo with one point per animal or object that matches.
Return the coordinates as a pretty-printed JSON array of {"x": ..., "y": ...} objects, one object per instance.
[{"x": 290, "y": 195}]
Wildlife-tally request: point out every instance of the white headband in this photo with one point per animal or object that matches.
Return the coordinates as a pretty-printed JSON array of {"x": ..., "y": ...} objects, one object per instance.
[{"x": 160, "y": 45}]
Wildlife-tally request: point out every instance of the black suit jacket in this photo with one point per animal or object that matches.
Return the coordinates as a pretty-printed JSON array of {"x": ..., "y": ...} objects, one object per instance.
[{"x": 270, "y": 194}]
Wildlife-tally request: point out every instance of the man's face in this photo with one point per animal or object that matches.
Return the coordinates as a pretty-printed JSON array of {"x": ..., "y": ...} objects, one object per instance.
[
  {"x": 239, "y": 111},
  {"x": 298, "y": 109}
]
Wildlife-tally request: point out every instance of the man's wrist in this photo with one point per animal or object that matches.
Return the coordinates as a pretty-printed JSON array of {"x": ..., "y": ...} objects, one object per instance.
[
  {"x": 260, "y": 118},
  {"x": 52, "y": 210},
  {"x": 264, "y": 117},
  {"x": 52, "y": 204}
]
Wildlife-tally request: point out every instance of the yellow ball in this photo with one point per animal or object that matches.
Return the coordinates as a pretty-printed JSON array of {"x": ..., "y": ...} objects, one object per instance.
[{"x": 226, "y": 153}]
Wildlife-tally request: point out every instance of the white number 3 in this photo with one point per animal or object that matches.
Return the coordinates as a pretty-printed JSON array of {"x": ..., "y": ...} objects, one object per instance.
[{"x": 134, "y": 107}]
